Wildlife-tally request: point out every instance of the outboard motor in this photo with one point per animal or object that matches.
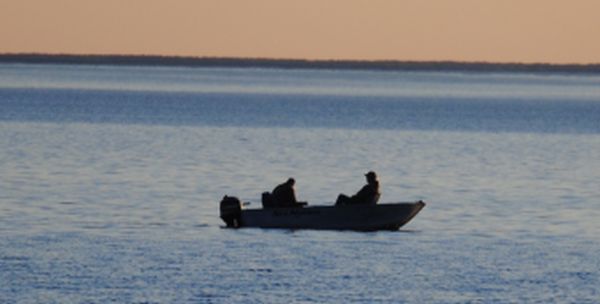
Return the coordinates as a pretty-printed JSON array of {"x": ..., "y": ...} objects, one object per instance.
[{"x": 231, "y": 211}]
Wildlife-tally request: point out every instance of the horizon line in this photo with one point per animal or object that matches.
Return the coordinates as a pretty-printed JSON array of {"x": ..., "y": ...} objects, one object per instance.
[{"x": 293, "y": 63}]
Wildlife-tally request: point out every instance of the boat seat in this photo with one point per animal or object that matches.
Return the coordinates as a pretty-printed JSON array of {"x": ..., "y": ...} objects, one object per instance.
[{"x": 267, "y": 200}]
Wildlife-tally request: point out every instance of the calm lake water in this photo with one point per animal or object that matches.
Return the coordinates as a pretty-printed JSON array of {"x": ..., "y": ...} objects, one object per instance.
[{"x": 111, "y": 177}]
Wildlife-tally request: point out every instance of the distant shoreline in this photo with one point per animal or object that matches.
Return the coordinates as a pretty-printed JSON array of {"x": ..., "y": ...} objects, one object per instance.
[{"x": 150, "y": 60}]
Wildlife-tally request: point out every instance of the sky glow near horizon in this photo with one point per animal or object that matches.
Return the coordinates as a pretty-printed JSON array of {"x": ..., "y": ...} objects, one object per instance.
[{"x": 461, "y": 30}]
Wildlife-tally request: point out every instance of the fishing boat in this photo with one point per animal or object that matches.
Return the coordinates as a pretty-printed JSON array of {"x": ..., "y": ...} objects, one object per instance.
[{"x": 371, "y": 217}]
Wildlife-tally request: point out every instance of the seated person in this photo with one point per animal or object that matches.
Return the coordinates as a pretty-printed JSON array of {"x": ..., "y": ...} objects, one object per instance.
[
  {"x": 284, "y": 195},
  {"x": 368, "y": 194}
]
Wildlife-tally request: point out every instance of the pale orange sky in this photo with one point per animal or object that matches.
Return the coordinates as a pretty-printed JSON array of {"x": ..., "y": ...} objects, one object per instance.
[{"x": 463, "y": 30}]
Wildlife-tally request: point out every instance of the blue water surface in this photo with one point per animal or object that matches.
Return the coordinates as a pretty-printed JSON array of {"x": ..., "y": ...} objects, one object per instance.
[{"x": 111, "y": 178}]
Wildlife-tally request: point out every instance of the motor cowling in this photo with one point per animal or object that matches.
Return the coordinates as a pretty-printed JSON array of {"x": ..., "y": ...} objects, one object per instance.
[{"x": 231, "y": 211}]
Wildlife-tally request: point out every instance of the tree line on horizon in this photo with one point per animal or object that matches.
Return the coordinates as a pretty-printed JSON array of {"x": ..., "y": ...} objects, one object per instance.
[{"x": 295, "y": 63}]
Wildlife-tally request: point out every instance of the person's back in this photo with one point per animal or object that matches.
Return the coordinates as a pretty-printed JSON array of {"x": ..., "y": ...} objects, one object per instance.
[
  {"x": 284, "y": 195},
  {"x": 367, "y": 195}
]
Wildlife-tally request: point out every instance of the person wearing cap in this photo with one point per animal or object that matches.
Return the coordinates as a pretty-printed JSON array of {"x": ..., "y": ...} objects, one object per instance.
[
  {"x": 284, "y": 194},
  {"x": 368, "y": 194}
]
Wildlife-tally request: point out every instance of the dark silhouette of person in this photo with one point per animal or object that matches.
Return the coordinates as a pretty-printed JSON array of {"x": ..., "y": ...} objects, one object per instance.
[
  {"x": 284, "y": 195},
  {"x": 367, "y": 195}
]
